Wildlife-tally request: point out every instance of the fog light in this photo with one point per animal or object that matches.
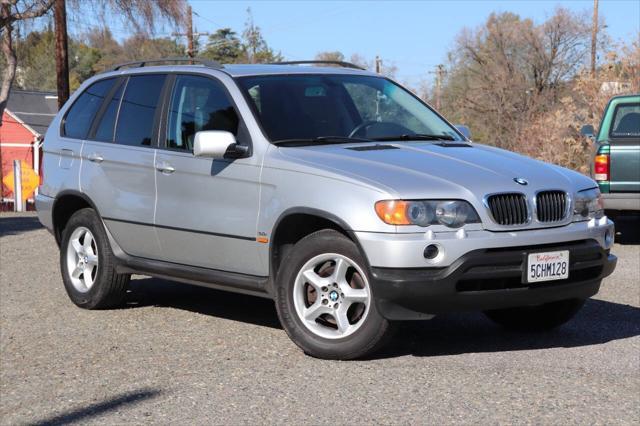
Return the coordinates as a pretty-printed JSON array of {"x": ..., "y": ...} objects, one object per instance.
[{"x": 431, "y": 251}]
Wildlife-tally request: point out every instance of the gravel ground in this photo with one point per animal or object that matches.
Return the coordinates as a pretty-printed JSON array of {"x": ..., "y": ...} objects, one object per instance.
[{"x": 187, "y": 355}]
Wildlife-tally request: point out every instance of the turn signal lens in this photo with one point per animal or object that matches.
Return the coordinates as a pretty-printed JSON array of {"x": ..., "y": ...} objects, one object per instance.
[{"x": 393, "y": 212}]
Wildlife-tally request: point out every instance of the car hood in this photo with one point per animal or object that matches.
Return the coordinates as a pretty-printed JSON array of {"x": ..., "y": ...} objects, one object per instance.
[{"x": 414, "y": 170}]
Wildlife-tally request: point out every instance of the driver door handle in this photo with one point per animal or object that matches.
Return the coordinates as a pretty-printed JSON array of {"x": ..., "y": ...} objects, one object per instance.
[
  {"x": 165, "y": 167},
  {"x": 96, "y": 158}
]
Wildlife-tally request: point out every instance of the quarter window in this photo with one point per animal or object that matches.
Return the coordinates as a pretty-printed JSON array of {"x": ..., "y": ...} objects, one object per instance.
[
  {"x": 138, "y": 110},
  {"x": 81, "y": 114},
  {"x": 198, "y": 103}
]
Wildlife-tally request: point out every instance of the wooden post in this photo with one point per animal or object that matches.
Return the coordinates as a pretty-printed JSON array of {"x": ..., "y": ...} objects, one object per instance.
[
  {"x": 190, "y": 51},
  {"x": 62, "y": 54}
]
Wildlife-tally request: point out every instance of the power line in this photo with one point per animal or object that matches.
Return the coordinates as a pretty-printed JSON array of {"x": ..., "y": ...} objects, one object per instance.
[{"x": 206, "y": 19}]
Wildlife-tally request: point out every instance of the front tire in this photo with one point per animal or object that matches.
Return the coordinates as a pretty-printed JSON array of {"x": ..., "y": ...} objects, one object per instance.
[
  {"x": 537, "y": 318},
  {"x": 88, "y": 264},
  {"x": 324, "y": 300}
]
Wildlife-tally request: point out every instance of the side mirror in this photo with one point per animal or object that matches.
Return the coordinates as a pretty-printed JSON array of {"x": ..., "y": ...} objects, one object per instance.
[
  {"x": 588, "y": 131},
  {"x": 464, "y": 130},
  {"x": 217, "y": 144}
]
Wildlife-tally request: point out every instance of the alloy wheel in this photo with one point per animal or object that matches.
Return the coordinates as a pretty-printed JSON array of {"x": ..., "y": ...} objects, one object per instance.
[
  {"x": 82, "y": 259},
  {"x": 332, "y": 296}
]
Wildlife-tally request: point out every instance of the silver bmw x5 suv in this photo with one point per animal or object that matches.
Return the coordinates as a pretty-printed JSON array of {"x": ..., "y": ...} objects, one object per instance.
[{"x": 332, "y": 190}]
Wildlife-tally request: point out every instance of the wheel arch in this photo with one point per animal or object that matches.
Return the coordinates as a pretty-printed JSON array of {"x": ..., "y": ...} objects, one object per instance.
[
  {"x": 296, "y": 223},
  {"x": 64, "y": 206}
]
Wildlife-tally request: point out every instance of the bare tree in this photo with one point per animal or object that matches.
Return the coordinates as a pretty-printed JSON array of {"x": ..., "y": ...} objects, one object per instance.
[
  {"x": 142, "y": 15},
  {"x": 361, "y": 61},
  {"x": 559, "y": 49},
  {"x": 256, "y": 48},
  {"x": 505, "y": 73},
  {"x": 12, "y": 11},
  {"x": 334, "y": 56}
]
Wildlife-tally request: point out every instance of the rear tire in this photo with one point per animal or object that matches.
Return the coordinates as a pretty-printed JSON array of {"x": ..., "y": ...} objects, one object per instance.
[
  {"x": 88, "y": 264},
  {"x": 324, "y": 299},
  {"x": 537, "y": 318}
]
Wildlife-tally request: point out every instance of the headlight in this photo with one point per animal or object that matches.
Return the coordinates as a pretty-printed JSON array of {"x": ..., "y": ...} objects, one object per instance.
[
  {"x": 588, "y": 205},
  {"x": 451, "y": 213}
]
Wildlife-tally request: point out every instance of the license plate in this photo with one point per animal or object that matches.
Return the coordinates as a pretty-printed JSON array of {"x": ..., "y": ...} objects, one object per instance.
[{"x": 548, "y": 266}]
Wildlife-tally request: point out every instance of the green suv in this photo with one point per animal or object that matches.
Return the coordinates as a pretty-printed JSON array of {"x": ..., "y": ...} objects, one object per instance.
[{"x": 616, "y": 164}]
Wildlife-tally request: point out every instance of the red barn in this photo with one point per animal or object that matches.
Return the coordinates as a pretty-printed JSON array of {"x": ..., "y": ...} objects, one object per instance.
[{"x": 24, "y": 124}]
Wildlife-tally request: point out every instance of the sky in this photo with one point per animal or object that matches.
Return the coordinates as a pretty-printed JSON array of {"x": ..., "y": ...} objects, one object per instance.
[{"x": 415, "y": 36}]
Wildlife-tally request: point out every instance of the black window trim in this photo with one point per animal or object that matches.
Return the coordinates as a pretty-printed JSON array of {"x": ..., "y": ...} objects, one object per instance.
[
  {"x": 156, "y": 117},
  {"x": 243, "y": 131},
  {"x": 91, "y": 136},
  {"x": 61, "y": 130},
  {"x": 610, "y": 136},
  {"x": 124, "y": 80}
]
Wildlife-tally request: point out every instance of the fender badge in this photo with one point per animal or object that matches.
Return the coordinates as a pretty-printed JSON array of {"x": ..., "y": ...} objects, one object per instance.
[{"x": 520, "y": 181}]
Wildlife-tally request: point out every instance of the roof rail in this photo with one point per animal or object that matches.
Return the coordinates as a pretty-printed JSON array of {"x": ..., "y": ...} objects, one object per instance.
[
  {"x": 201, "y": 61},
  {"x": 339, "y": 63}
]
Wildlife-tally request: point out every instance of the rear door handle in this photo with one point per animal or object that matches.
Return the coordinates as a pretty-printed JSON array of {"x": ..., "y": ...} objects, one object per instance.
[
  {"x": 165, "y": 167},
  {"x": 96, "y": 158}
]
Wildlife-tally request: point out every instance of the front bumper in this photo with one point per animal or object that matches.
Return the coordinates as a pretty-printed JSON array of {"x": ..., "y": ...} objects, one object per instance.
[
  {"x": 487, "y": 279},
  {"x": 621, "y": 201},
  {"x": 385, "y": 250}
]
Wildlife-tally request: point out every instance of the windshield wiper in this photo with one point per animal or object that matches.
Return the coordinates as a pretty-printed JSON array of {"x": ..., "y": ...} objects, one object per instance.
[
  {"x": 320, "y": 140},
  {"x": 416, "y": 137}
]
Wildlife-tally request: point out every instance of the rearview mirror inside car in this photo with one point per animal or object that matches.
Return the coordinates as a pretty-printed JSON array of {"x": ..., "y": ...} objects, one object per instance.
[{"x": 217, "y": 144}]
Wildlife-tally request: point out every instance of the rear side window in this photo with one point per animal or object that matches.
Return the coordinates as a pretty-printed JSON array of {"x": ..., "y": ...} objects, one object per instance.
[
  {"x": 138, "y": 110},
  {"x": 104, "y": 132},
  {"x": 198, "y": 103},
  {"x": 626, "y": 121},
  {"x": 81, "y": 114}
]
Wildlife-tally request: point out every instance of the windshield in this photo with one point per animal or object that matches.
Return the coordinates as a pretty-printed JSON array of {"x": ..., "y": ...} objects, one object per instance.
[{"x": 317, "y": 107}]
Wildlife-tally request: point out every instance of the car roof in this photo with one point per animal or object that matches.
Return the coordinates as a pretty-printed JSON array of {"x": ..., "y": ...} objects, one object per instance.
[{"x": 632, "y": 96}]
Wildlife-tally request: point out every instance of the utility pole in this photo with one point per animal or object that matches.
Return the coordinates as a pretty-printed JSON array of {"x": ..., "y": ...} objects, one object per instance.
[
  {"x": 439, "y": 72},
  {"x": 62, "y": 54},
  {"x": 190, "y": 52},
  {"x": 594, "y": 38},
  {"x": 378, "y": 65},
  {"x": 190, "y": 34}
]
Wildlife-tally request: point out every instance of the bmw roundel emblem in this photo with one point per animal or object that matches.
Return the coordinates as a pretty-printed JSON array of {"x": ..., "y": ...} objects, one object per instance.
[{"x": 520, "y": 181}]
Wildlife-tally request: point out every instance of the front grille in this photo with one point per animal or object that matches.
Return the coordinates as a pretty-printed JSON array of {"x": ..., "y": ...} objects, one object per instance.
[
  {"x": 551, "y": 206},
  {"x": 509, "y": 209}
]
